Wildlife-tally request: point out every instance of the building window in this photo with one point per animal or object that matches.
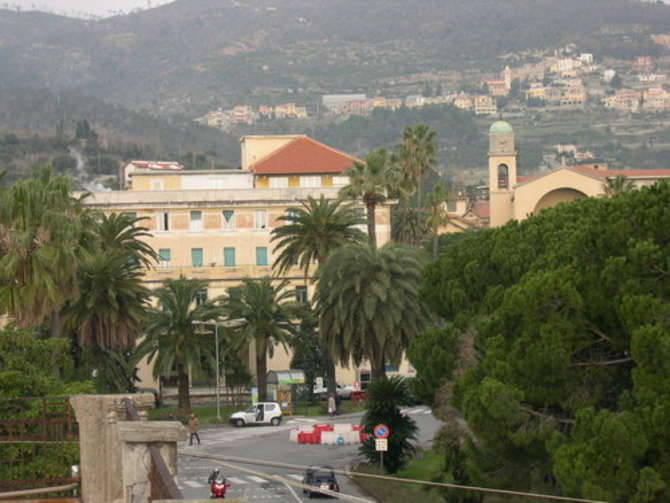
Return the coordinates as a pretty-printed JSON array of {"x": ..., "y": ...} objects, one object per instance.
[
  {"x": 196, "y": 221},
  {"x": 164, "y": 221},
  {"x": 261, "y": 255},
  {"x": 340, "y": 181},
  {"x": 503, "y": 176},
  {"x": 291, "y": 214},
  {"x": 201, "y": 297},
  {"x": 310, "y": 181},
  {"x": 452, "y": 205},
  {"x": 229, "y": 220},
  {"x": 229, "y": 257},
  {"x": 260, "y": 219},
  {"x": 301, "y": 294},
  {"x": 164, "y": 257},
  {"x": 197, "y": 258},
  {"x": 279, "y": 182},
  {"x": 156, "y": 184}
]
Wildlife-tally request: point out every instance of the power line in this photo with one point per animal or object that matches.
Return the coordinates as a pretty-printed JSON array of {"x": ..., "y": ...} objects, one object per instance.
[{"x": 486, "y": 490}]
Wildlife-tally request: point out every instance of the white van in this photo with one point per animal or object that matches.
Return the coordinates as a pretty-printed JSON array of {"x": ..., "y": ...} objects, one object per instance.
[{"x": 261, "y": 413}]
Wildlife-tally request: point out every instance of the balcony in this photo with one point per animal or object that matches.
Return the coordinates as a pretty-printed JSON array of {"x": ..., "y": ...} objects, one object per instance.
[{"x": 214, "y": 271}]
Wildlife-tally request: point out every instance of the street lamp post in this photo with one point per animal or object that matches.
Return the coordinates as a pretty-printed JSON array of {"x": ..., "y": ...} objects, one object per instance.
[{"x": 224, "y": 323}]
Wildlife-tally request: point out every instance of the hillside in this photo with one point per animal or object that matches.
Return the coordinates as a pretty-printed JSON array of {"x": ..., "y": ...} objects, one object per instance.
[
  {"x": 194, "y": 54},
  {"x": 38, "y": 111}
]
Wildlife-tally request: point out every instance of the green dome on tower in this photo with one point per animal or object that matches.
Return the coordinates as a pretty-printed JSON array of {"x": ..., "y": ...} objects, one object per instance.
[{"x": 501, "y": 127}]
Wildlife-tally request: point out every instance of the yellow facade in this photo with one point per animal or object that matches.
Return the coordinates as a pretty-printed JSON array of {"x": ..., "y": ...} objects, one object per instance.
[
  {"x": 255, "y": 148},
  {"x": 218, "y": 236}
]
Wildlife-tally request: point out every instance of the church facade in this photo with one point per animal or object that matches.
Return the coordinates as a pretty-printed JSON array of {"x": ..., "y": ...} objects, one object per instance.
[{"x": 513, "y": 197}]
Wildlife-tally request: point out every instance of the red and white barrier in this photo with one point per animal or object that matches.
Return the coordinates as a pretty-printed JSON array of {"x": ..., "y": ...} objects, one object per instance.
[{"x": 329, "y": 434}]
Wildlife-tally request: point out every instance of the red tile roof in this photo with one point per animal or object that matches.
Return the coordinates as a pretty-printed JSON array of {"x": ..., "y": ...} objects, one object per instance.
[
  {"x": 303, "y": 156},
  {"x": 630, "y": 173},
  {"x": 482, "y": 209}
]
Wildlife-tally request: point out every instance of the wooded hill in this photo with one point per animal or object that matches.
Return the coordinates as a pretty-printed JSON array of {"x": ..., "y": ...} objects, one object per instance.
[{"x": 194, "y": 54}]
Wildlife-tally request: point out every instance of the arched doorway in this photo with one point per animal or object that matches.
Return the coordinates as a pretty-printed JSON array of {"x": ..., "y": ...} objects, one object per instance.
[{"x": 557, "y": 196}]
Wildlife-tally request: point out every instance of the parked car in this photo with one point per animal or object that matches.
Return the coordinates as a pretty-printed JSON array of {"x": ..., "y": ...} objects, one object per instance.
[
  {"x": 261, "y": 413},
  {"x": 344, "y": 392},
  {"x": 321, "y": 476}
]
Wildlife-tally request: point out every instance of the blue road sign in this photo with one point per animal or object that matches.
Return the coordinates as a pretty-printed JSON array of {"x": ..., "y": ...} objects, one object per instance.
[{"x": 382, "y": 431}]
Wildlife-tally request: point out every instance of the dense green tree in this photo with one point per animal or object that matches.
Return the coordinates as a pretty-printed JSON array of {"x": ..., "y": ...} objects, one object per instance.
[
  {"x": 368, "y": 304},
  {"x": 40, "y": 231},
  {"x": 370, "y": 181},
  {"x": 408, "y": 225},
  {"x": 172, "y": 337},
  {"x": 268, "y": 313},
  {"x": 385, "y": 397},
  {"x": 570, "y": 310}
]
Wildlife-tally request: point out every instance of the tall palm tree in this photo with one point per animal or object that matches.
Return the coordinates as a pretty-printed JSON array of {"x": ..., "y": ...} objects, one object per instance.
[
  {"x": 113, "y": 302},
  {"x": 370, "y": 181},
  {"x": 368, "y": 303},
  {"x": 408, "y": 225},
  {"x": 437, "y": 214},
  {"x": 267, "y": 313},
  {"x": 310, "y": 233},
  {"x": 40, "y": 224},
  {"x": 172, "y": 335},
  {"x": 416, "y": 156},
  {"x": 618, "y": 185}
]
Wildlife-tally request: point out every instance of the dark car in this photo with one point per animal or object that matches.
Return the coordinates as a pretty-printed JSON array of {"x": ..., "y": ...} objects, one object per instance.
[{"x": 320, "y": 476}]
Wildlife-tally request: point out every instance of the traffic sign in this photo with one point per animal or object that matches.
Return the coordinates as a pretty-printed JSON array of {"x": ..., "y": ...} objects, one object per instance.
[
  {"x": 382, "y": 444},
  {"x": 382, "y": 431}
]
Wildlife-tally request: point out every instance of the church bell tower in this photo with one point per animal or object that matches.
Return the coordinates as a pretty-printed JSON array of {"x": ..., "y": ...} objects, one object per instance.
[{"x": 502, "y": 173}]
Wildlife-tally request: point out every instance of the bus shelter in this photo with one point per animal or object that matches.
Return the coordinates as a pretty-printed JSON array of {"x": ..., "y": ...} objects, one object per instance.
[{"x": 283, "y": 386}]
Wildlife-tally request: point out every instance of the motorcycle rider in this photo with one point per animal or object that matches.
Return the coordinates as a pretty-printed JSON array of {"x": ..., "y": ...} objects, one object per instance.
[{"x": 214, "y": 476}]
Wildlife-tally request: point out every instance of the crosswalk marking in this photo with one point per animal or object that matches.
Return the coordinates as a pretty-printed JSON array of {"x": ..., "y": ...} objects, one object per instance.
[
  {"x": 256, "y": 479},
  {"x": 235, "y": 480},
  {"x": 193, "y": 483},
  {"x": 295, "y": 476}
]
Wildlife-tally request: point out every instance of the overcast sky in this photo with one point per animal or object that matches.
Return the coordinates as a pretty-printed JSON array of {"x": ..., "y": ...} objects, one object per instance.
[{"x": 97, "y": 7}]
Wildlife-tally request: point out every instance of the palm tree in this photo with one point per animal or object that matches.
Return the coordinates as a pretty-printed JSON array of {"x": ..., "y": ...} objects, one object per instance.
[
  {"x": 113, "y": 302},
  {"x": 408, "y": 225},
  {"x": 437, "y": 214},
  {"x": 121, "y": 233},
  {"x": 618, "y": 185},
  {"x": 40, "y": 225},
  {"x": 311, "y": 232},
  {"x": 172, "y": 336},
  {"x": 370, "y": 181},
  {"x": 385, "y": 397},
  {"x": 416, "y": 155},
  {"x": 267, "y": 314},
  {"x": 368, "y": 303}
]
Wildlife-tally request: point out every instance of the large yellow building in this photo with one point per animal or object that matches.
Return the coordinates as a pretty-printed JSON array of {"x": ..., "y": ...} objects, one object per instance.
[
  {"x": 516, "y": 198},
  {"x": 216, "y": 225}
]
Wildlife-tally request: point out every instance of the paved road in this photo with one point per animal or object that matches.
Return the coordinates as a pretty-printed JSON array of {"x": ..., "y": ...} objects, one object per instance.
[{"x": 270, "y": 443}]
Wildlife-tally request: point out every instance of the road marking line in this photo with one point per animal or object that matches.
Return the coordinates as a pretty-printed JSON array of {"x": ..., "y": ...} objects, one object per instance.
[
  {"x": 193, "y": 483},
  {"x": 295, "y": 476},
  {"x": 256, "y": 479},
  {"x": 235, "y": 480},
  {"x": 428, "y": 411},
  {"x": 293, "y": 492}
]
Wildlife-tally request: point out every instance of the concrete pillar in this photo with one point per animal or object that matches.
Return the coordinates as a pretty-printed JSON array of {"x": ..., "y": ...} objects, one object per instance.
[
  {"x": 99, "y": 444},
  {"x": 136, "y": 437}
]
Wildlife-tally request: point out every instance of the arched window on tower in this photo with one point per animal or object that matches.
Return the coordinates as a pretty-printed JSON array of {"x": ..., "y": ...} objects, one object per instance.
[{"x": 503, "y": 176}]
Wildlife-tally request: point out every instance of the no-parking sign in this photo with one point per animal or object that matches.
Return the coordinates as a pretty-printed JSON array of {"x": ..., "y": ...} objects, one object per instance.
[{"x": 381, "y": 431}]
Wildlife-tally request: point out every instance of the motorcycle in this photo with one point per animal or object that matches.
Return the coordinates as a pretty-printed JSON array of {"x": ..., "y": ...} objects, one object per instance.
[{"x": 218, "y": 488}]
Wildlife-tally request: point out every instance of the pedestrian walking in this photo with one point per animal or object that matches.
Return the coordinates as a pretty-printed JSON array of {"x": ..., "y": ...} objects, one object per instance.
[
  {"x": 193, "y": 426},
  {"x": 331, "y": 405}
]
